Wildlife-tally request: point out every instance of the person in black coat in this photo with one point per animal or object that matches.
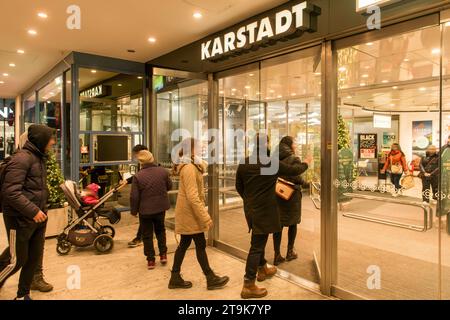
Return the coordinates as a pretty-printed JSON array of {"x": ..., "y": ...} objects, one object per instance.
[
  {"x": 25, "y": 195},
  {"x": 255, "y": 182},
  {"x": 429, "y": 173},
  {"x": 290, "y": 210}
]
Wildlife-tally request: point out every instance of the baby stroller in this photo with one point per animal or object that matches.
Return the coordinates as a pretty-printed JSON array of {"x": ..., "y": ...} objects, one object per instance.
[{"x": 79, "y": 232}]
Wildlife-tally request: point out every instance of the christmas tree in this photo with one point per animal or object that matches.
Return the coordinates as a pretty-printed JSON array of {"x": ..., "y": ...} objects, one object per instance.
[
  {"x": 343, "y": 134},
  {"x": 55, "y": 178}
]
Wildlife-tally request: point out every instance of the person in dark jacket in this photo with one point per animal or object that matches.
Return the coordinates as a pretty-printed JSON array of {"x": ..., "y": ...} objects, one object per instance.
[
  {"x": 25, "y": 196},
  {"x": 290, "y": 210},
  {"x": 137, "y": 241},
  {"x": 429, "y": 173},
  {"x": 256, "y": 186},
  {"x": 149, "y": 198},
  {"x": 39, "y": 283}
]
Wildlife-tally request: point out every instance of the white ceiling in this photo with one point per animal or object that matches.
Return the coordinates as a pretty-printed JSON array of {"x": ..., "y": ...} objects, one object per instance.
[{"x": 109, "y": 28}]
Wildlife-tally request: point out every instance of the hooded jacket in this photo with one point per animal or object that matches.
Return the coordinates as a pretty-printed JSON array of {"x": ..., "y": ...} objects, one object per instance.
[
  {"x": 290, "y": 211},
  {"x": 24, "y": 188},
  {"x": 191, "y": 215}
]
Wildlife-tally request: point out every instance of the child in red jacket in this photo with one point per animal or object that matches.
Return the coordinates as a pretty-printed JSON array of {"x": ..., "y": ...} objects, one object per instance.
[{"x": 90, "y": 195}]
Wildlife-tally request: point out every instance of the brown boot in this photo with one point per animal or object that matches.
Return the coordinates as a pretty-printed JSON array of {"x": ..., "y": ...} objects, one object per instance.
[
  {"x": 252, "y": 291},
  {"x": 265, "y": 272}
]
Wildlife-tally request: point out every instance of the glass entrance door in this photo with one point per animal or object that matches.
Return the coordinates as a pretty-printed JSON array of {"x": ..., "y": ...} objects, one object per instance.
[
  {"x": 390, "y": 136},
  {"x": 279, "y": 96}
]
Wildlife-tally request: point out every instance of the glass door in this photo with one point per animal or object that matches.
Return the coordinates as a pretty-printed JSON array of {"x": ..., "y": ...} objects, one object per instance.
[{"x": 389, "y": 126}]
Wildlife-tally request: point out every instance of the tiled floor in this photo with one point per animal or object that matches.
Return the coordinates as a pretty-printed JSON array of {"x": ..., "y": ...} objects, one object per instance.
[{"x": 123, "y": 275}]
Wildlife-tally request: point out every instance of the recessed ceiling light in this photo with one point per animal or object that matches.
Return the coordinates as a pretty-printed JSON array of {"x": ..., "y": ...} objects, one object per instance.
[
  {"x": 2, "y": 82},
  {"x": 365, "y": 75},
  {"x": 385, "y": 81},
  {"x": 395, "y": 87},
  {"x": 247, "y": 87},
  {"x": 392, "y": 104},
  {"x": 369, "y": 44},
  {"x": 349, "y": 97},
  {"x": 362, "y": 84},
  {"x": 233, "y": 89},
  {"x": 5, "y": 74},
  {"x": 119, "y": 85},
  {"x": 32, "y": 32},
  {"x": 42, "y": 15},
  {"x": 94, "y": 71},
  {"x": 251, "y": 75},
  {"x": 152, "y": 40},
  {"x": 221, "y": 92},
  {"x": 293, "y": 95},
  {"x": 272, "y": 91},
  {"x": 436, "y": 51},
  {"x": 140, "y": 78},
  {"x": 52, "y": 93},
  {"x": 280, "y": 96},
  {"x": 423, "y": 89},
  {"x": 49, "y": 101},
  {"x": 20, "y": 51},
  {"x": 317, "y": 73},
  {"x": 197, "y": 15},
  {"x": 12, "y": 65},
  {"x": 406, "y": 60}
]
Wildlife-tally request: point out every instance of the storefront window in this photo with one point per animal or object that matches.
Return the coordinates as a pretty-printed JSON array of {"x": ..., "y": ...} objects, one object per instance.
[
  {"x": 111, "y": 124},
  {"x": 29, "y": 111},
  {"x": 50, "y": 99},
  {"x": 388, "y": 229},
  {"x": 7, "y": 125}
]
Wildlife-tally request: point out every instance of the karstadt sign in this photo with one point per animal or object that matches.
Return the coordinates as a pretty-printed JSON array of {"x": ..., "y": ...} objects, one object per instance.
[{"x": 299, "y": 17}]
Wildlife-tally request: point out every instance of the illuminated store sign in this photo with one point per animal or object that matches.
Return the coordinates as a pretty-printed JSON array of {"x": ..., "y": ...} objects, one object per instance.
[
  {"x": 96, "y": 92},
  {"x": 298, "y": 17},
  {"x": 362, "y": 5}
]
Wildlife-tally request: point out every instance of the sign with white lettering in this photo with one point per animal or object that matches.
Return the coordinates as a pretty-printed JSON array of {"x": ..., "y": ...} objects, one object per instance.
[
  {"x": 96, "y": 92},
  {"x": 293, "y": 21}
]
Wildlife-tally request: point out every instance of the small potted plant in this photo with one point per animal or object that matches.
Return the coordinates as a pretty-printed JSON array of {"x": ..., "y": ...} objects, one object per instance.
[{"x": 58, "y": 208}]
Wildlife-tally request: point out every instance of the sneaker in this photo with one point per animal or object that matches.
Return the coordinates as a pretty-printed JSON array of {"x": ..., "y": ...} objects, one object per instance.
[
  {"x": 163, "y": 259},
  {"x": 135, "y": 243},
  {"x": 151, "y": 264},
  {"x": 25, "y": 297}
]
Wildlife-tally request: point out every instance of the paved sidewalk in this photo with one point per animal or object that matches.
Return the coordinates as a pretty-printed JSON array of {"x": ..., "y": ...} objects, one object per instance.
[{"x": 123, "y": 275}]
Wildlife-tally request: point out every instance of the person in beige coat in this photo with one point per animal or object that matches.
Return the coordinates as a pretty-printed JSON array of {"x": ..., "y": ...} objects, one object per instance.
[{"x": 191, "y": 217}]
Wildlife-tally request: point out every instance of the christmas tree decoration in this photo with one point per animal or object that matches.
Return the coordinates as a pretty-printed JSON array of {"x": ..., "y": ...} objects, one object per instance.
[
  {"x": 55, "y": 178},
  {"x": 344, "y": 140}
]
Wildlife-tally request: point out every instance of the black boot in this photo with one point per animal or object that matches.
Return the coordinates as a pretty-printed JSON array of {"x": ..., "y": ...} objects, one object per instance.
[
  {"x": 39, "y": 283},
  {"x": 177, "y": 282},
  {"x": 215, "y": 282}
]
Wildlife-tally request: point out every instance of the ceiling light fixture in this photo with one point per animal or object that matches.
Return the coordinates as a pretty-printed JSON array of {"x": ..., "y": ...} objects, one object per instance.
[
  {"x": 119, "y": 85},
  {"x": 42, "y": 15},
  {"x": 423, "y": 89},
  {"x": 94, "y": 71},
  {"x": 5, "y": 74},
  {"x": 32, "y": 32},
  {"x": 2, "y": 82},
  {"x": 197, "y": 15},
  {"x": 406, "y": 60},
  {"x": 151, "y": 40},
  {"x": 247, "y": 87},
  {"x": 365, "y": 75},
  {"x": 436, "y": 51},
  {"x": 369, "y": 44},
  {"x": 251, "y": 75},
  {"x": 20, "y": 51},
  {"x": 140, "y": 78},
  {"x": 385, "y": 81},
  {"x": 12, "y": 65}
]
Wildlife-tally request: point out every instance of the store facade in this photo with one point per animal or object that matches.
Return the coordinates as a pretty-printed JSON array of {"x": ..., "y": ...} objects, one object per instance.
[
  {"x": 313, "y": 70},
  {"x": 92, "y": 102}
]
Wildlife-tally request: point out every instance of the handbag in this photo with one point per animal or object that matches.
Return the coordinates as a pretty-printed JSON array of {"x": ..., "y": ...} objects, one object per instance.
[
  {"x": 284, "y": 189},
  {"x": 407, "y": 182}
]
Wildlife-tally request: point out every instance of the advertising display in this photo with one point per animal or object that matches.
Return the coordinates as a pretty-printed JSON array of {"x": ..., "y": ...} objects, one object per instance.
[
  {"x": 367, "y": 146},
  {"x": 422, "y": 135}
]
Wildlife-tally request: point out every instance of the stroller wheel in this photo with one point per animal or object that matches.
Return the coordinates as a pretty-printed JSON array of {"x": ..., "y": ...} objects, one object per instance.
[
  {"x": 108, "y": 230},
  {"x": 63, "y": 247},
  {"x": 104, "y": 243}
]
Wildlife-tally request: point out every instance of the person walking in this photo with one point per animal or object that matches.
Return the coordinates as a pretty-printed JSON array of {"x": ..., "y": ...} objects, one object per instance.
[
  {"x": 149, "y": 198},
  {"x": 290, "y": 210},
  {"x": 396, "y": 165},
  {"x": 429, "y": 173},
  {"x": 257, "y": 190},
  {"x": 191, "y": 217},
  {"x": 25, "y": 194},
  {"x": 39, "y": 283},
  {"x": 137, "y": 241}
]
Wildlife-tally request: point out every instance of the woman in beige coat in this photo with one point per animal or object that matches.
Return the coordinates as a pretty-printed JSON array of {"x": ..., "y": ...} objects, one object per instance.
[{"x": 191, "y": 217}]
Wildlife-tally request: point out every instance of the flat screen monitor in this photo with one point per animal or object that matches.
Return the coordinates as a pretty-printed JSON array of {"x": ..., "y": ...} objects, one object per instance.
[
  {"x": 382, "y": 121},
  {"x": 112, "y": 148}
]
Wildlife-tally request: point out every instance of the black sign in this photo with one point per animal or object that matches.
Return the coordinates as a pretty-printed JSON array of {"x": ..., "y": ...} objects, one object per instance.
[
  {"x": 368, "y": 145},
  {"x": 96, "y": 92}
]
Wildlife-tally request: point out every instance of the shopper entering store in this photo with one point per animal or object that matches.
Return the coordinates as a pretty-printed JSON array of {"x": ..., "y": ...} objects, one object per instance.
[
  {"x": 149, "y": 198},
  {"x": 39, "y": 283},
  {"x": 258, "y": 192},
  {"x": 429, "y": 173},
  {"x": 191, "y": 216},
  {"x": 137, "y": 241},
  {"x": 396, "y": 165},
  {"x": 290, "y": 210},
  {"x": 24, "y": 202}
]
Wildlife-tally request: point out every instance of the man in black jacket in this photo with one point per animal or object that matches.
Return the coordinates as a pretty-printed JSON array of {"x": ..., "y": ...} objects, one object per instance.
[
  {"x": 25, "y": 195},
  {"x": 255, "y": 183}
]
